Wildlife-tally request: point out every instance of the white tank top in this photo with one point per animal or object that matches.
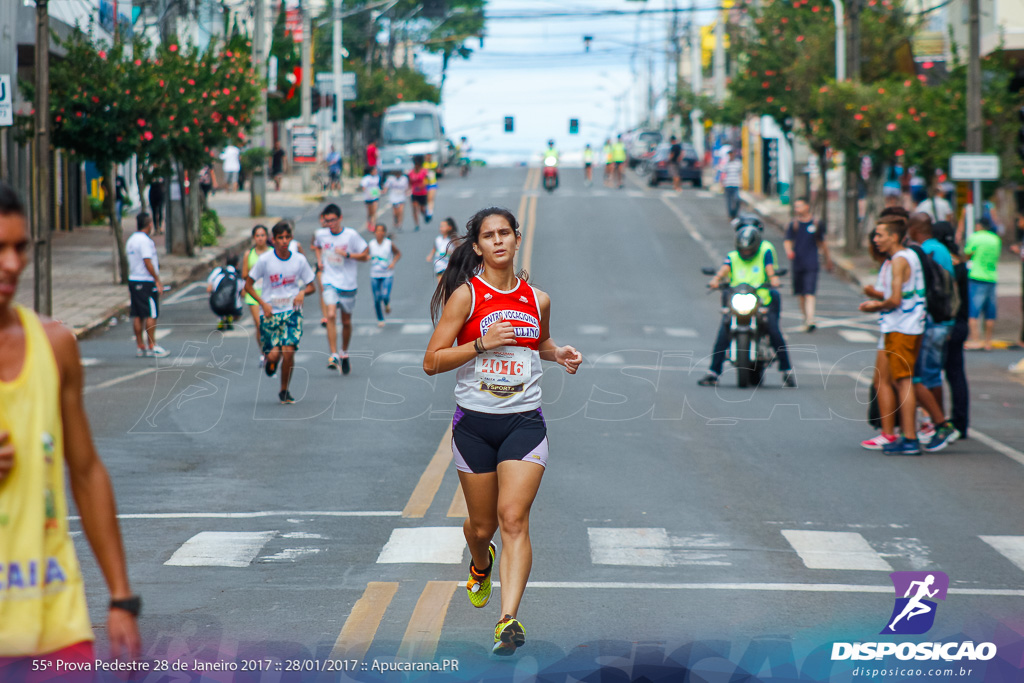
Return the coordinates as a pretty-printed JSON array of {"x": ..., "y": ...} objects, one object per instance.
[{"x": 908, "y": 317}]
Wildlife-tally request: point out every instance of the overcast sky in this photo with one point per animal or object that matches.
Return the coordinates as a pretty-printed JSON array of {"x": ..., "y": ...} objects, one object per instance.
[{"x": 537, "y": 71}]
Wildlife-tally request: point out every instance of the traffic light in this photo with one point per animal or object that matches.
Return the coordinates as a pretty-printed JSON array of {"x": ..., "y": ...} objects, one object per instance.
[
  {"x": 574, "y": 126},
  {"x": 509, "y": 124},
  {"x": 1020, "y": 133}
]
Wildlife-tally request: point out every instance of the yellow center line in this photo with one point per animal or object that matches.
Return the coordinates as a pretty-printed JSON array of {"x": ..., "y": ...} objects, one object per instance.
[
  {"x": 458, "y": 507},
  {"x": 430, "y": 481},
  {"x": 424, "y": 631},
  {"x": 529, "y": 225},
  {"x": 361, "y": 626}
]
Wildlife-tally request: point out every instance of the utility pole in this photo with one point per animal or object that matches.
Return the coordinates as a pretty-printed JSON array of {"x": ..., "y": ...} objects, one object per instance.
[
  {"x": 696, "y": 83},
  {"x": 9, "y": 65},
  {"x": 306, "y": 91},
  {"x": 851, "y": 216},
  {"x": 719, "y": 67},
  {"x": 339, "y": 101},
  {"x": 974, "y": 100},
  {"x": 43, "y": 214},
  {"x": 259, "y": 58}
]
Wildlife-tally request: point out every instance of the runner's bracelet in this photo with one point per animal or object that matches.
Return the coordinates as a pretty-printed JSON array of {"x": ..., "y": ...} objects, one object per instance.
[{"x": 478, "y": 345}]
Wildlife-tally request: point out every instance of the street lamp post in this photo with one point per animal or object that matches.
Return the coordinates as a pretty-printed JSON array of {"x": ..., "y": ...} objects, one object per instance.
[{"x": 43, "y": 214}]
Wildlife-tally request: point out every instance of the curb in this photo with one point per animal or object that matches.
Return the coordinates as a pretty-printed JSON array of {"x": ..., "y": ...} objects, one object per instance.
[{"x": 202, "y": 263}]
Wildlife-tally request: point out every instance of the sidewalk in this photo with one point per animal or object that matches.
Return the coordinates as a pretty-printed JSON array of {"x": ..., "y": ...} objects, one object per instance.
[{"x": 861, "y": 270}]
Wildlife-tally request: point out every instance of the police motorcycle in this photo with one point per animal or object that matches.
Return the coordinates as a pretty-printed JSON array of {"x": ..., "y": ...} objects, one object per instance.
[
  {"x": 550, "y": 167},
  {"x": 750, "y": 349}
]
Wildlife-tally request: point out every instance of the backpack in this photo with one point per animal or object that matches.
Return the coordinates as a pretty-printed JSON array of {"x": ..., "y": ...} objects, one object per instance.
[
  {"x": 942, "y": 300},
  {"x": 224, "y": 298}
]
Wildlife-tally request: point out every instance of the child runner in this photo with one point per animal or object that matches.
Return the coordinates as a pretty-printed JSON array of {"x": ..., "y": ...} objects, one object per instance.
[
  {"x": 418, "y": 185},
  {"x": 337, "y": 251},
  {"x": 259, "y": 248},
  {"x": 383, "y": 257},
  {"x": 397, "y": 187},
  {"x": 493, "y": 330},
  {"x": 287, "y": 279},
  {"x": 431, "y": 167},
  {"x": 371, "y": 194},
  {"x": 443, "y": 246},
  {"x": 221, "y": 303}
]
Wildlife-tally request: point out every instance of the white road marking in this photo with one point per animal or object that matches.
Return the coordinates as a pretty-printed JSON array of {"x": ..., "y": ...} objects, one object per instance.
[
  {"x": 427, "y": 545},
  {"x": 118, "y": 380},
  {"x": 290, "y": 555},
  {"x": 835, "y": 550},
  {"x": 704, "y": 194},
  {"x": 220, "y": 549},
  {"x": 652, "y": 547},
  {"x": 400, "y": 357},
  {"x": 90, "y": 362},
  {"x": 1010, "y": 547},
  {"x": 256, "y": 515},
  {"x": 160, "y": 334},
  {"x": 186, "y": 299},
  {"x": 301, "y": 534},
  {"x": 177, "y": 296},
  {"x": 366, "y": 330},
  {"x": 632, "y": 547},
  {"x": 681, "y": 332},
  {"x": 757, "y": 587},
  {"x": 417, "y": 328},
  {"x": 593, "y": 329},
  {"x": 692, "y": 230},
  {"x": 610, "y": 359},
  {"x": 649, "y": 329},
  {"x": 858, "y": 336}
]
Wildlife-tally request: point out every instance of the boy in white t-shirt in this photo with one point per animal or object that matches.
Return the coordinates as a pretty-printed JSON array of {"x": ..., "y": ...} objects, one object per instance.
[
  {"x": 287, "y": 279},
  {"x": 338, "y": 250},
  {"x": 371, "y": 195}
]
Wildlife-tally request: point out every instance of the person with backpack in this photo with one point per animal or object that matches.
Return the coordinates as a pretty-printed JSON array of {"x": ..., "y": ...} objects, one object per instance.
[
  {"x": 225, "y": 289},
  {"x": 960, "y": 397},
  {"x": 940, "y": 292}
]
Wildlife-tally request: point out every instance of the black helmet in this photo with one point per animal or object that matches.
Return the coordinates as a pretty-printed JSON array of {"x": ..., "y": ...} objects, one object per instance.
[
  {"x": 748, "y": 241},
  {"x": 551, "y": 143},
  {"x": 745, "y": 219}
]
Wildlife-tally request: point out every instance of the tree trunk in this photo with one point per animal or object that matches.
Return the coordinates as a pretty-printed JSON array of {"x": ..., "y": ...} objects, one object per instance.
[
  {"x": 121, "y": 260},
  {"x": 445, "y": 56},
  {"x": 823, "y": 194},
  {"x": 194, "y": 209},
  {"x": 139, "y": 180},
  {"x": 183, "y": 207}
]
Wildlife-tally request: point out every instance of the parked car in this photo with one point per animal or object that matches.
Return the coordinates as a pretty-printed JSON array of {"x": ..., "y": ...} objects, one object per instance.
[
  {"x": 640, "y": 146},
  {"x": 657, "y": 167}
]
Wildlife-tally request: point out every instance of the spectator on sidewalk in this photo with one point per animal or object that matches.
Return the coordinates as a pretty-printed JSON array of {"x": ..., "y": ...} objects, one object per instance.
[
  {"x": 207, "y": 183},
  {"x": 675, "y": 157},
  {"x": 900, "y": 303},
  {"x": 960, "y": 398},
  {"x": 334, "y": 169},
  {"x": 44, "y": 429},
  {"x": 931, "y": 359},
  {"x": 232, "y": 158},
  {"x": 982, "y": 249},
  {"x": 156, "y": 204},
  {"x": 804, "y": 238},
  {"x": 144, "y": 286},
  {"x": 731, "y": 181},
  {"x": 936, "y": 206},
  {"x": 1019, "y": 250},
  {"x": 277, "y": 165}
]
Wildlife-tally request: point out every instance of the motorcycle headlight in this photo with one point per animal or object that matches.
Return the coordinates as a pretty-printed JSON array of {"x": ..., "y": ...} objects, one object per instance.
[
  {"x": 744, "y": 303},
  {"x": 550, "y": 161}
]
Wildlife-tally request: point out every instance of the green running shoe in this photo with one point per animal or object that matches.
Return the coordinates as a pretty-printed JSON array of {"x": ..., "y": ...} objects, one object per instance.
[
  {"x": 478, "y": 587},
  {"x": 508, "y": 635}
]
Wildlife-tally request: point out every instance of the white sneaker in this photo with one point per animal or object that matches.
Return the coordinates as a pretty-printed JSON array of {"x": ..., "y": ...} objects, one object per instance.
[
  {"x": 158, "y": 352},
  {"x": 926, "y": 432},
  {"x": 879, "y": 442},
  {"x": 263, "y": 359}
]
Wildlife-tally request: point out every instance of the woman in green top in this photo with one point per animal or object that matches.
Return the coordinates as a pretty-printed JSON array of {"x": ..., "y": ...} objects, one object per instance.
[
  {"x": 982, "y": 248},
  {"x": 260, "y": 247}
]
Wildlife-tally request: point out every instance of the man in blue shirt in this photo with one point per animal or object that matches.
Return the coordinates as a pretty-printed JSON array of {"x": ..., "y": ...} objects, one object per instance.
[
  {"x": 805, "y": 237},
  {"x": 931, "y": 358}
]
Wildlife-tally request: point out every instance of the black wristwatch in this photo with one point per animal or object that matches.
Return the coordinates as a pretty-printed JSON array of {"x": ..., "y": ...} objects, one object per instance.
[{"x": 132, "y": 605}]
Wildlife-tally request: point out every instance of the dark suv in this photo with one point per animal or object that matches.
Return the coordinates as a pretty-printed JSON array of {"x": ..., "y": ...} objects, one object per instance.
[{"x": 689, "y": 166}]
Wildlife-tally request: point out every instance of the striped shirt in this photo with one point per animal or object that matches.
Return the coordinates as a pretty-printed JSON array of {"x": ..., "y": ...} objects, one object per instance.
[{"x": 733, "y": 173}]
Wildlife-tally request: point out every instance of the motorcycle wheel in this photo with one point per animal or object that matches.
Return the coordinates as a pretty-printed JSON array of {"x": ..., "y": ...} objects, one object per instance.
[
  {"x": 758, "y": 374},
  {"x": 745, "y": 368}
]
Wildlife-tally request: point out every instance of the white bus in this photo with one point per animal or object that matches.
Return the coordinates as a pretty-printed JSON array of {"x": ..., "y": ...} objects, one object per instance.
[{"x": 410, "y": 129}]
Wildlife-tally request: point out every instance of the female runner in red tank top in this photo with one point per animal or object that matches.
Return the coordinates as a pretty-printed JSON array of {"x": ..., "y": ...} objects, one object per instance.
[{"x": 493, "y": 330}]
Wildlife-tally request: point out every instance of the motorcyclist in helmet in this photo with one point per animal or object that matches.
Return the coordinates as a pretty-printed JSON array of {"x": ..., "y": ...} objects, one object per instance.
[
  {"x": 753, "y": 263},
  {"x": 550, "y": 151},
  {"x": 745, "y": 219}
]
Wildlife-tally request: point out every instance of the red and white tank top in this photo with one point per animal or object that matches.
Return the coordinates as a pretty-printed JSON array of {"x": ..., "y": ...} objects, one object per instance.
[{"x": 505, "y": 379}]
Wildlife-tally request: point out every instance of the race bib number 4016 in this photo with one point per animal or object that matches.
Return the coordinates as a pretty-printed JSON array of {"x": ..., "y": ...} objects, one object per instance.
[{"x": 503, "y": 372}]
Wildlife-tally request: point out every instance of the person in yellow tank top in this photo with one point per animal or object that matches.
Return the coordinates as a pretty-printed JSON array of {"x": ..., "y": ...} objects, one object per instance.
[{"x": 43, "y": 430}]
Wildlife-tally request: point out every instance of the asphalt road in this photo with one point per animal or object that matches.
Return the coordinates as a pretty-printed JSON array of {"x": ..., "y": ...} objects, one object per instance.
[{"x": 676, "y": 525}]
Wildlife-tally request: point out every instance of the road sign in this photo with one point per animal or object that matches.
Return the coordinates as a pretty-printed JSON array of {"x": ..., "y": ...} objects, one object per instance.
[
  {"x": 325, "y": 84},
  {"x": 509, "y": 124},
  {"x": 6, "y": 105},
  {"x": 304, "y": 145},
  {"x": 974, "y": 167}
]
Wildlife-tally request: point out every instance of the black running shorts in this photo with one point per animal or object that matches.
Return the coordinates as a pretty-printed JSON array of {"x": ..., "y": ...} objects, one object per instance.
[
  {"x": 145, "y": 299},
  {"x": 481, "y": 440}
]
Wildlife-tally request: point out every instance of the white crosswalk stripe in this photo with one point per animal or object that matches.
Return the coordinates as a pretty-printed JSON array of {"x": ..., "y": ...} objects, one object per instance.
[
  {"x": 428, "y": 545},
  {"x": 858, "y": 336},
  {"x": 417, "y": 328},
  {"x": 220, "y": 549},
  {"x": 653, "y": 547},
  {"x": 835, "y": 550},
  {"x": 1010, "y": 547}
]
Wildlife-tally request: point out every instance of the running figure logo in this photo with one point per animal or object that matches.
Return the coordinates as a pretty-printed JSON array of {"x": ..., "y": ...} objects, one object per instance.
[{"x": 914, "y": 612}]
